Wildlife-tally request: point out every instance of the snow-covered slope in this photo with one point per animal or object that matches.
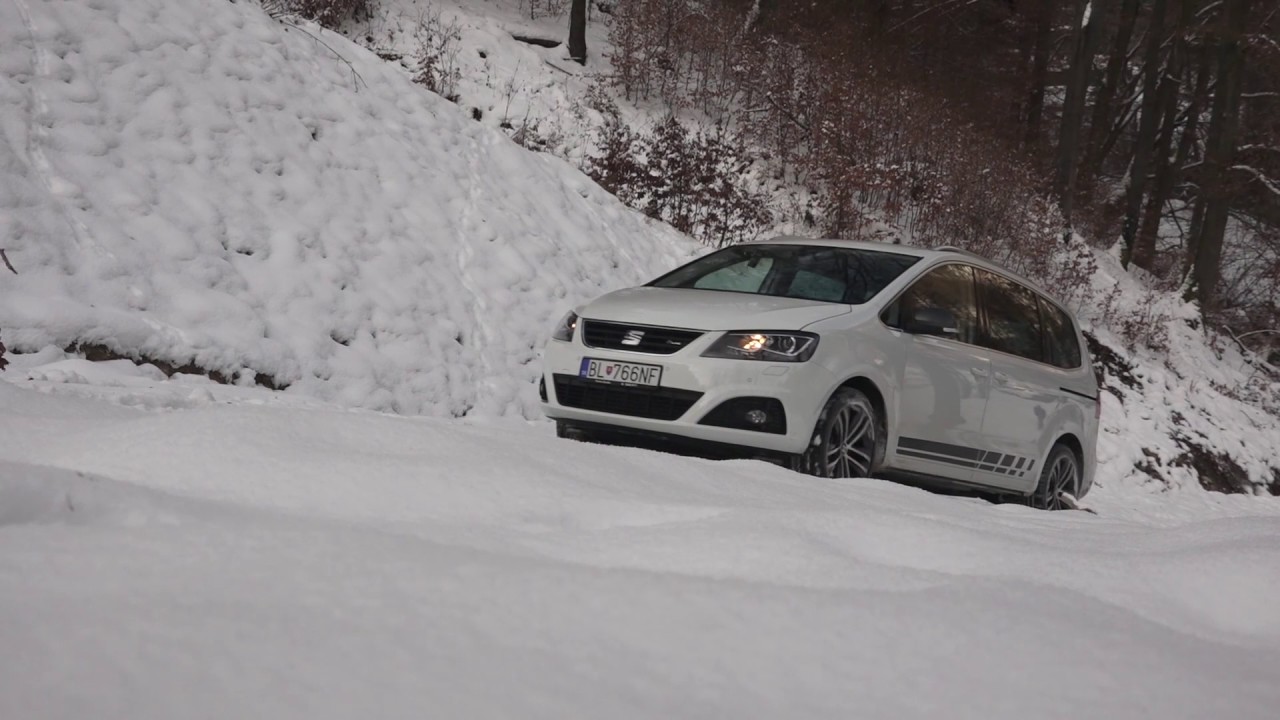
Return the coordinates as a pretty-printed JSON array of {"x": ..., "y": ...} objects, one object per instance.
[
  {"x": 193, "y": 183},
  {"x": 228, "y": 553},
  {"x": 1184, "y": 416}
]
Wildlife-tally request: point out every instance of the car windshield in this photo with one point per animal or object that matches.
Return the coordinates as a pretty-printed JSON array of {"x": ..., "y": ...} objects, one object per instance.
[{"x": 805, "y": 272}]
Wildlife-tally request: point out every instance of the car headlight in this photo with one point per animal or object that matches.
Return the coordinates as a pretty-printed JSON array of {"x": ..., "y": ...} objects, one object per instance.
[
  {"x": 770, "y": 346},
  {"x": 564, "y": 331}
]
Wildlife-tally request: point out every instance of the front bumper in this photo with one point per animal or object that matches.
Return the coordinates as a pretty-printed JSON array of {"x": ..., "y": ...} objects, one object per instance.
[{"x": 801, "y": 388}]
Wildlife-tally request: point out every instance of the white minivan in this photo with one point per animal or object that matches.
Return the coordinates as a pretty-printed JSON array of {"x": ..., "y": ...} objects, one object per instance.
[{"x": 842, "y": 359}]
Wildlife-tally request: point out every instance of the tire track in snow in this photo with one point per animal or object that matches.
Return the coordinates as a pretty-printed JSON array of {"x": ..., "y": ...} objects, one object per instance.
[
  {"x": 482, "y": 334},
  {"x": 59, "y": 188}
]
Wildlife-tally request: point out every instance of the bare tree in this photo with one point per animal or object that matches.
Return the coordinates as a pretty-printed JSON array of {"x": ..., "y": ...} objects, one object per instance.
[
  {"x": 1214, "y": 202},
  {"x": 578, "y": 31},
  {"x": 1088, "y": 20}
]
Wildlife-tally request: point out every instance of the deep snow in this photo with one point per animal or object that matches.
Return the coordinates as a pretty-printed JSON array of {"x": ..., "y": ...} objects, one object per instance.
[
  {"x": 193, "y": 550},
  {"x": 192, "y": 182},
  {"x": 1190, "y": 398}
]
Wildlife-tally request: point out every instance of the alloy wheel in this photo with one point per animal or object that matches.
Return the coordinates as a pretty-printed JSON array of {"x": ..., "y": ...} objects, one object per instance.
[
  {"x": 1063, "y": 478},
  {"x": 850, "y": 443}
]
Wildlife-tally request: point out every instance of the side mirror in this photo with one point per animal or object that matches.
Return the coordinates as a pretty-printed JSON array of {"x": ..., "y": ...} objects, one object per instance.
[{"x": 933, "y": 321}]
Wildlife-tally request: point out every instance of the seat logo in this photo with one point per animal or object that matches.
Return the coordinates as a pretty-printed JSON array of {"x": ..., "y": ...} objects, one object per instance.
[{"x": 633, "y": 337}]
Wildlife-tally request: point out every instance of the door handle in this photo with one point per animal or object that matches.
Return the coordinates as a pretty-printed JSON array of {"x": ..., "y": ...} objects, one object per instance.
[
  {"x": 978, "y": 372},
  {"x": 1002, "y": 378}
]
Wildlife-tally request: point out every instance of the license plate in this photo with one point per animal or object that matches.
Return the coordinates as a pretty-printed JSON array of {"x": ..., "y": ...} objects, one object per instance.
[{"x": 625, "y": 373}]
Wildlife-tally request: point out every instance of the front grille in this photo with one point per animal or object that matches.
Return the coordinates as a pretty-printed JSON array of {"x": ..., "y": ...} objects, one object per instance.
[
  {"x": 637, "y": 338},
  {"x": 657, "y": 403}
]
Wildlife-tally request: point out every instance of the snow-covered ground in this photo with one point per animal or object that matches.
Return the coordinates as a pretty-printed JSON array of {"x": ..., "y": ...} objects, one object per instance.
[
  {"x": 192, "y": 182},
  {"x": 194, "y": 550},
  {"x": 188, "y": 181}
]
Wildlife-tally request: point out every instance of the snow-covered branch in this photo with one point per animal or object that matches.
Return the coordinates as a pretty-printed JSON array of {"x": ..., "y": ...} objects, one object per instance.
[
  {"x": 1256, "y": 147},
  {"x": 752, "y": 16},
  {"x": 1270, "y": 184}
]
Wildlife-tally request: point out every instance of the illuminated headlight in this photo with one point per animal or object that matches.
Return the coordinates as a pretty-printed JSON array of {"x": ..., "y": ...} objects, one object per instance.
[
  {"x": 564, "y": 331},
  {"x": 770, "y": 346}
]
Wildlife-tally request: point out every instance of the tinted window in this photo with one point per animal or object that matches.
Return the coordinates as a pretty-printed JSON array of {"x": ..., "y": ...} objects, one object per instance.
[
  {"x": 1064, "y": 345},
  {"x": 1013, "y": 317},
  {"x": 949, "y": 288},
  {"x": 807, "y": 272}
]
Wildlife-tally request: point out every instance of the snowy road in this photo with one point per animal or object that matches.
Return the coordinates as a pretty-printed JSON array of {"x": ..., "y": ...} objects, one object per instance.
[{"x": 174, "y": 550}]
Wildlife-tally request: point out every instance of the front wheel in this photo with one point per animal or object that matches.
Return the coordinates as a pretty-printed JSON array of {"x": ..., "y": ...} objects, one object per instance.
[
  {"x": 1060, "y": 476},
  {"x": 848, "y": 441}
]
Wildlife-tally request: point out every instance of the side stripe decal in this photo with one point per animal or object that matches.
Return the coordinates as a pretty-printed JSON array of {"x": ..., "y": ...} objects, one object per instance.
[{"x": 985, "y": 460}]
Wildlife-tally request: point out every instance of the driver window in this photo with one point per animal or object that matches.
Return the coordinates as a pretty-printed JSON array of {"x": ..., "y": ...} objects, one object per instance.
[{"x": 950, "y": 288}]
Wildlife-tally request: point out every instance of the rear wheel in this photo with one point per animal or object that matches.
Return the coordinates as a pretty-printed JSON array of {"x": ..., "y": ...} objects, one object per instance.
[
  {"x": 1060, "y": 475},
  {"x": 848, "y": 440}
]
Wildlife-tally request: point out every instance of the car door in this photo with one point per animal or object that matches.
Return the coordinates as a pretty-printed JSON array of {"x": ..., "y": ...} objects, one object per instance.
[
  {"x": 1024, "y": 388},
  {"x": 944, "y": 380}
]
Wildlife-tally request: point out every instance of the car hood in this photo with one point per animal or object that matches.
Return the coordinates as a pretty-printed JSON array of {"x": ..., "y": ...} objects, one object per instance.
[{"x": 709, "y": 309}]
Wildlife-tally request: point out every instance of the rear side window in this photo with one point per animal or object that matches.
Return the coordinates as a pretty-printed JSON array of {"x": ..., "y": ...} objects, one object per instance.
[
  {"x": 1060, "y": 331},
  {"x": 950, "y": 288},
  {"x": 1013, "y": 317}
]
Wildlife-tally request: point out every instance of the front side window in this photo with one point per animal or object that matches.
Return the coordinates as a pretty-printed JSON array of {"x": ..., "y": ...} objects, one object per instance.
[
  {"x": 805, "y": 272},
  {"x": 1013, "y": 317},
  {"x": 950, "y": 288},
  {"x": 1060, "y": 331}
]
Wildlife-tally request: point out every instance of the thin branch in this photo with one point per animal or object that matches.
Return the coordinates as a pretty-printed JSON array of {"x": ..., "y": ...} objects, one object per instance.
[
  {"x": 1207, "y": 8},
  {"x": 1249, "y": 148},
  {"x": 1271, "y": 185},
  {"x": 928, "y": 10},
  {"x": 293, "y": 23},
  {"x": 786, "y": 113}
]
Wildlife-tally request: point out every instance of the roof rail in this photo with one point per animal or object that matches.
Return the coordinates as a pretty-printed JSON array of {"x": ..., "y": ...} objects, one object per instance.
[{"x": 962, "y": 251}]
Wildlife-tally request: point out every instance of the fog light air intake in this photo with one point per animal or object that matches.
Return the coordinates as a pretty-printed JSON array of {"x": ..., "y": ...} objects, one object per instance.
[{"x": 744, "y": 414}]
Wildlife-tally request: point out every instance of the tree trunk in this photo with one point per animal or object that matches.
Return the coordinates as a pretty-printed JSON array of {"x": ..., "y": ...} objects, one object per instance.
[
  {"x": 1144, "y": 144},
  {"x": 1039, "y": 71},
  {"x": 1088, "y": 20},
  {"x": 1219, "y": 154},
  {"x": 1163, "y": 169},
  {"x": 1101, "y": 121},
  {"x": 1199, "y": 97},
  {"x": 578, "y": 31}
]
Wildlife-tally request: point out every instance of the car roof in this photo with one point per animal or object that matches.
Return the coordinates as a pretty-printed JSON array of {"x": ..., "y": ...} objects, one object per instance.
[{"x": 930, "y": 254}]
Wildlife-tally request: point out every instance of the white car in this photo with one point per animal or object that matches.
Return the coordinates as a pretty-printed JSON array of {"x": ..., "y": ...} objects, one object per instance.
[{"x": 842, "y": 359}]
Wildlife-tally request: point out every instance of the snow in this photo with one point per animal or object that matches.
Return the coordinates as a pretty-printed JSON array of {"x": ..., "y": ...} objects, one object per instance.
[
  {"x": 192, "y": 182},
  {"x": 265, "y": 555}
]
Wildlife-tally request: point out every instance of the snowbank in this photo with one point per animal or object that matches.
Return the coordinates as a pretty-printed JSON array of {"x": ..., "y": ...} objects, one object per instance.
[
  {"x": 192, "y": 183},
  {"x": 250, "y": 557}
]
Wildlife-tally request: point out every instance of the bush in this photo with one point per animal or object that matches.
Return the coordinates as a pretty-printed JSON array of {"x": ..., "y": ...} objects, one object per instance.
[
  {"x": 694, "y": 181},
  {"x": 437, "y": 55},
  {"x": 326, "y": 13}
]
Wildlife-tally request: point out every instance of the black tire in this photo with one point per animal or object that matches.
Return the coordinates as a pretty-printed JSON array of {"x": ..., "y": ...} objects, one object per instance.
[
  {"x": 1061, "y": 473},
  {"x": 848, "y": 440}
]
